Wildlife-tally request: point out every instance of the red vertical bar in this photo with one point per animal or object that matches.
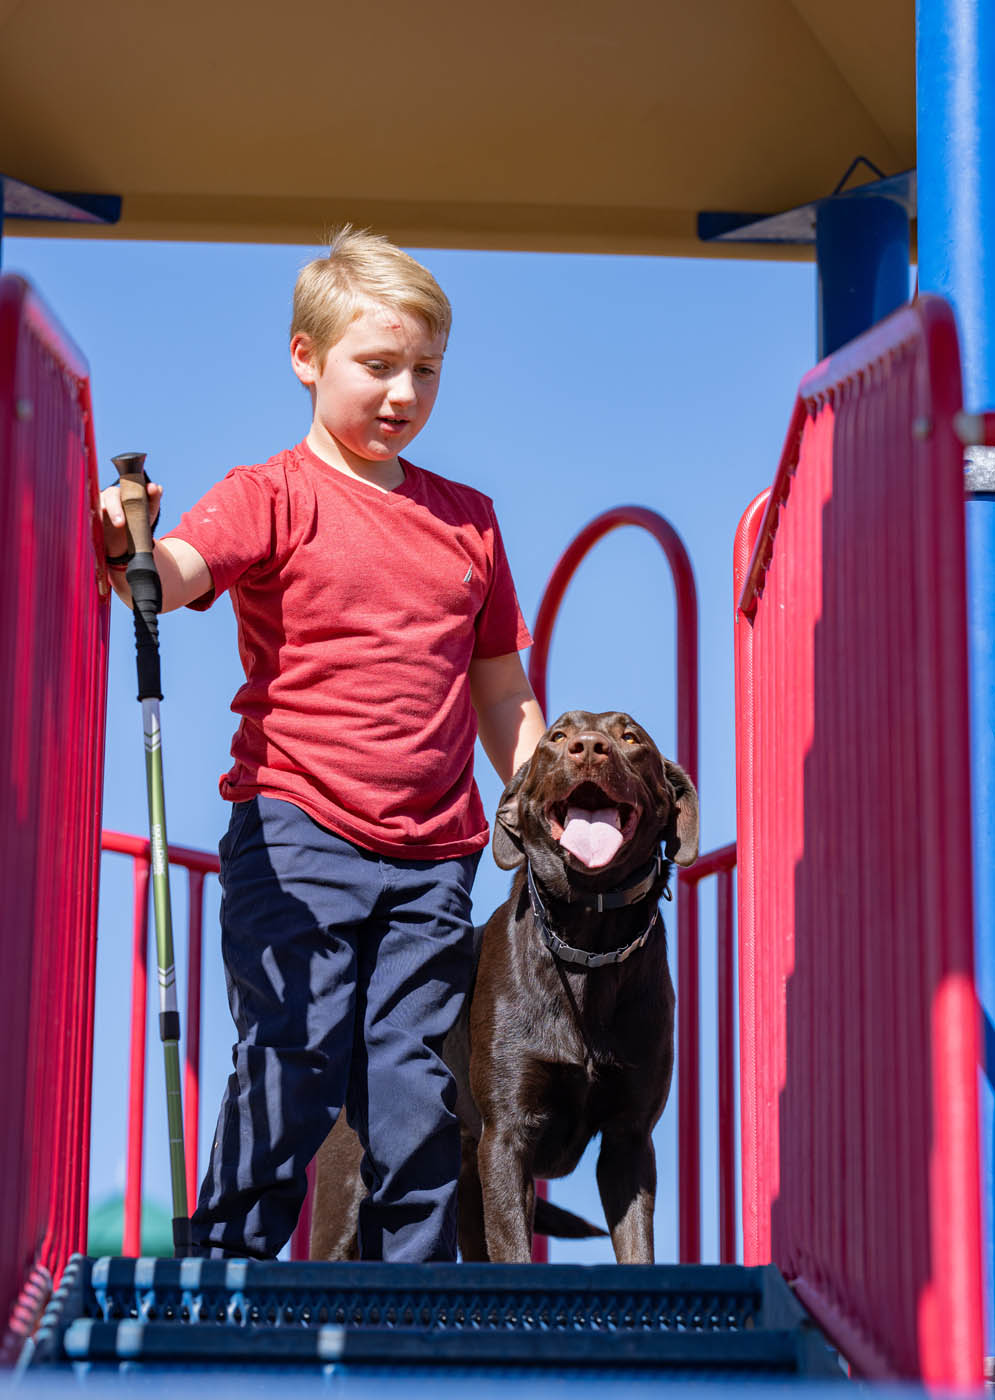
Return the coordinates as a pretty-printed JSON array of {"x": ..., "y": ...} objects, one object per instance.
[
  {"x": 91, "y": 670},
  {"x": 823, "y": 889},
  {"x": 746, "y": 537},
  {"x": 784, "y": 735},
  {"x": 954, "y": 1011},
  {"x": 540, "y": 1243},
  {"x": 768, "y": 758},
  {"x": 88, "y": 1000},
  {"x": 898, "y": 1276},
  {"x": 191, "y": 1078},
  {"x": 808, "y": 1041},
  {"x": 840, "y": 758},
  {"x": 131, "y": 1243},
  {"x": 727, "y": 1092},
  {"x": 688, "y": 1073},
  {"x": 300, "y": 1240},
  {"x": 887, "y": 1271}
]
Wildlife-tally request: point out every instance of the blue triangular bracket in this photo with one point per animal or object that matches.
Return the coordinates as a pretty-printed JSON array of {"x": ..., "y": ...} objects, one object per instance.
[
  {"x": 797, "y": 226},
  {"x": 21, "y": 201}
]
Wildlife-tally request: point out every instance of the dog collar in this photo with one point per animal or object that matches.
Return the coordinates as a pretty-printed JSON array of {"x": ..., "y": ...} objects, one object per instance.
[
  {"x": 625, "y": 894},
  {"x": 564, "y": 951}
]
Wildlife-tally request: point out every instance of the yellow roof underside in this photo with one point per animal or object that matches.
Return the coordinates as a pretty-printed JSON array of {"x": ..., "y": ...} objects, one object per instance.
[{"x": 566, "y": 125}]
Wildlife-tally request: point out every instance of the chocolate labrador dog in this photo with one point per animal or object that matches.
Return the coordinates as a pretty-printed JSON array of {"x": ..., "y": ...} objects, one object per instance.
[{"x": 568, "y": 1030}]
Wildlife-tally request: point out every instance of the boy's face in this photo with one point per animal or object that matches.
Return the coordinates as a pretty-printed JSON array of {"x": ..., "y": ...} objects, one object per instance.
[{"x": 378, "y": 384}]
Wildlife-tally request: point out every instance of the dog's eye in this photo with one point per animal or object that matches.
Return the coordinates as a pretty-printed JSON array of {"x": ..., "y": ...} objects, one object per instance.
[
  {"x": 557, "y": 736},
  {"x": 630, "y": 738}
]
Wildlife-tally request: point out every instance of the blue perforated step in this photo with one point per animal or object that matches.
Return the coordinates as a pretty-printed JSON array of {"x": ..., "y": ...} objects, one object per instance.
[{"x": 109, "y": 1312}]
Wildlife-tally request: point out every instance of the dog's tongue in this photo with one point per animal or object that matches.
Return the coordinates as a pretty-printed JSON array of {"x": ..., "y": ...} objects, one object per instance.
[{"x": 593, "y": 837}]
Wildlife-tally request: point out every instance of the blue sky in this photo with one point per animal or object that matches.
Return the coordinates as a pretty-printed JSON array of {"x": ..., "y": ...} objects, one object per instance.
[{"x": 571, "y": 384}]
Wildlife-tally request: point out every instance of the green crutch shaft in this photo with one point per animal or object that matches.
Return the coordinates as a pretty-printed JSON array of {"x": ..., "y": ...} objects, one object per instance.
[
  {"x": 146, "y": 592},
  {"x": 169, "y": 1015}
]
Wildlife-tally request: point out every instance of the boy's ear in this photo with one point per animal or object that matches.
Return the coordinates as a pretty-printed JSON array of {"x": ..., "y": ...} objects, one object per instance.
[
  {"x": 302, "y": 357},
  {"x": 506, "y": 843}
]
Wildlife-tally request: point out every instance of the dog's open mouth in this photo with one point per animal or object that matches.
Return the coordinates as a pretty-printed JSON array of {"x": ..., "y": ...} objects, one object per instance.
[{"x": 591, "y": 824}]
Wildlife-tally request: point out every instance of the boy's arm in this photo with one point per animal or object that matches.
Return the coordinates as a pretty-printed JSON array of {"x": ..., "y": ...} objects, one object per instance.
[
  {"x": 182, "y": 571},
  {"x": 509, "y": 719}
]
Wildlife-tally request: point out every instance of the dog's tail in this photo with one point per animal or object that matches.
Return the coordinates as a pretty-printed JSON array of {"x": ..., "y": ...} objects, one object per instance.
[{"x": 562, "y": 1224}]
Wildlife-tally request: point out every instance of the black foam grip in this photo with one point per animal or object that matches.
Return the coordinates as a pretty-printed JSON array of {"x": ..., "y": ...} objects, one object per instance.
[
  {"x": 146, "y": 593},
  {"x": 169, "y": 1025},
  {"x": 182, "y": 1238}
]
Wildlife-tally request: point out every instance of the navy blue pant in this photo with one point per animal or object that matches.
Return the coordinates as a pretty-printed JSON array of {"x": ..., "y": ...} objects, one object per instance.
[{"x": 345, "y": 971}]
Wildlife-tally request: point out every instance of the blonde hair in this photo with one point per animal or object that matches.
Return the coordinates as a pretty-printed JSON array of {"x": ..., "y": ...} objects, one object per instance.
[{"x": 363, "y": 266}]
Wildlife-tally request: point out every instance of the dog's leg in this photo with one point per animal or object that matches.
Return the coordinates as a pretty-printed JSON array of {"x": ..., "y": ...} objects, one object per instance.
[
  {"x": 472, "y": 1240},
  {"x": 338, "y": 1193},
  {"x": 627, "y": 1182},
  {"x": 509, "y": 1198}
]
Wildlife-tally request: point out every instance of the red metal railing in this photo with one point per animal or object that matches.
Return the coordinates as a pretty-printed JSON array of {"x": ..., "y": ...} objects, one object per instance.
[
  {"x": 53, "y": 640},
  {"x": 722, "y": 863},
  {"x": 688, "y": 1032},
  {"x": 197, "y": 864},
  {"x": 857, "y": 1003}
]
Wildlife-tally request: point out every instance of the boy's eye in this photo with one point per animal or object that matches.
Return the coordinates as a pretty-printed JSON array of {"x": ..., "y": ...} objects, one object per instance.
[
  {"x": 426, "y": 372},
  {"x": 376, "y": 366}
]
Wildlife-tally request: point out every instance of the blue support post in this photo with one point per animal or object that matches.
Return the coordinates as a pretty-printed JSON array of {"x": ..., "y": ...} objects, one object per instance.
[
  {"x": 862, "y": 259},
  {"x": 955, "y": 62}
]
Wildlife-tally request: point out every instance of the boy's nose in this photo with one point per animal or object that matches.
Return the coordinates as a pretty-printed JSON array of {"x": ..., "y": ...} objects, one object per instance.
[{"x": 402, "y": 388}]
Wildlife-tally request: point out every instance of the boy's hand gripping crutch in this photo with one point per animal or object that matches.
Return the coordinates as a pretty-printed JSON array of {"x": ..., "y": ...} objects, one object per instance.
[{"x": 146, "y": 592}]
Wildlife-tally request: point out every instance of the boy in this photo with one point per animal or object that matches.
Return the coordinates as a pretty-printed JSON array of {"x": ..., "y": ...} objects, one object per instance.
[{"x": 379, "y": 629}]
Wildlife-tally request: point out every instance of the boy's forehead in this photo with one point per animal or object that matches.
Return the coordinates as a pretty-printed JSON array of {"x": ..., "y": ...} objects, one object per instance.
[{"x": 376, "y": 319}]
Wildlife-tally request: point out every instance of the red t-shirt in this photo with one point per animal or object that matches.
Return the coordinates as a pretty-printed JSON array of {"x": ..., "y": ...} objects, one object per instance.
[{"x": 358, "y": 614}]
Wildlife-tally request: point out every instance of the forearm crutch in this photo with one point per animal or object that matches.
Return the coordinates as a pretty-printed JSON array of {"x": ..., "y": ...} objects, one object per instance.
[{"x": 146, "y": 593}]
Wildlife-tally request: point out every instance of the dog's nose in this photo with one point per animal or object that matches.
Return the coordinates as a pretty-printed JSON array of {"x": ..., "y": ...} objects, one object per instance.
[{"x": 588, "y": 747}]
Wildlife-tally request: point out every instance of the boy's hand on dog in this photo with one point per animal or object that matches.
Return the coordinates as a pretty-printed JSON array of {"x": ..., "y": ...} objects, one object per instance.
[{"x": 112, "y": 516}]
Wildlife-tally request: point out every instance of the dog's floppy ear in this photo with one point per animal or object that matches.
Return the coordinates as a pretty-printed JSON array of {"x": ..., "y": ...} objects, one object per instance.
[
  {"x": 507, "y": 840},
  {"x": 681, "y": 839}
]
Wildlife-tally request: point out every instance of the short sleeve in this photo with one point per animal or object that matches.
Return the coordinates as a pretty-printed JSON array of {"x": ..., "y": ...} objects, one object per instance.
[
  {"x": 233, "y": 528},
  {"x": 500, "y": 625}
]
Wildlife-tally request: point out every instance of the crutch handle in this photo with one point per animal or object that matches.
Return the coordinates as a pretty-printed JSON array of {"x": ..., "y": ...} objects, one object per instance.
[
  {"x": 134, "y": 499},
  {"x": 142, "y": 574}
]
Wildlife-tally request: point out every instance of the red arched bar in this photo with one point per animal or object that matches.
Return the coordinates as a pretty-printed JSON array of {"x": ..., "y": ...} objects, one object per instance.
[{"x": 688, "y": 1086}]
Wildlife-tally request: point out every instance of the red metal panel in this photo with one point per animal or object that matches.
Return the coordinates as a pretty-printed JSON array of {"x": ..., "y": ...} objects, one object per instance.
[
  {"x": 53, "y": 643},
  {"x": 858, "y": 1014}
]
